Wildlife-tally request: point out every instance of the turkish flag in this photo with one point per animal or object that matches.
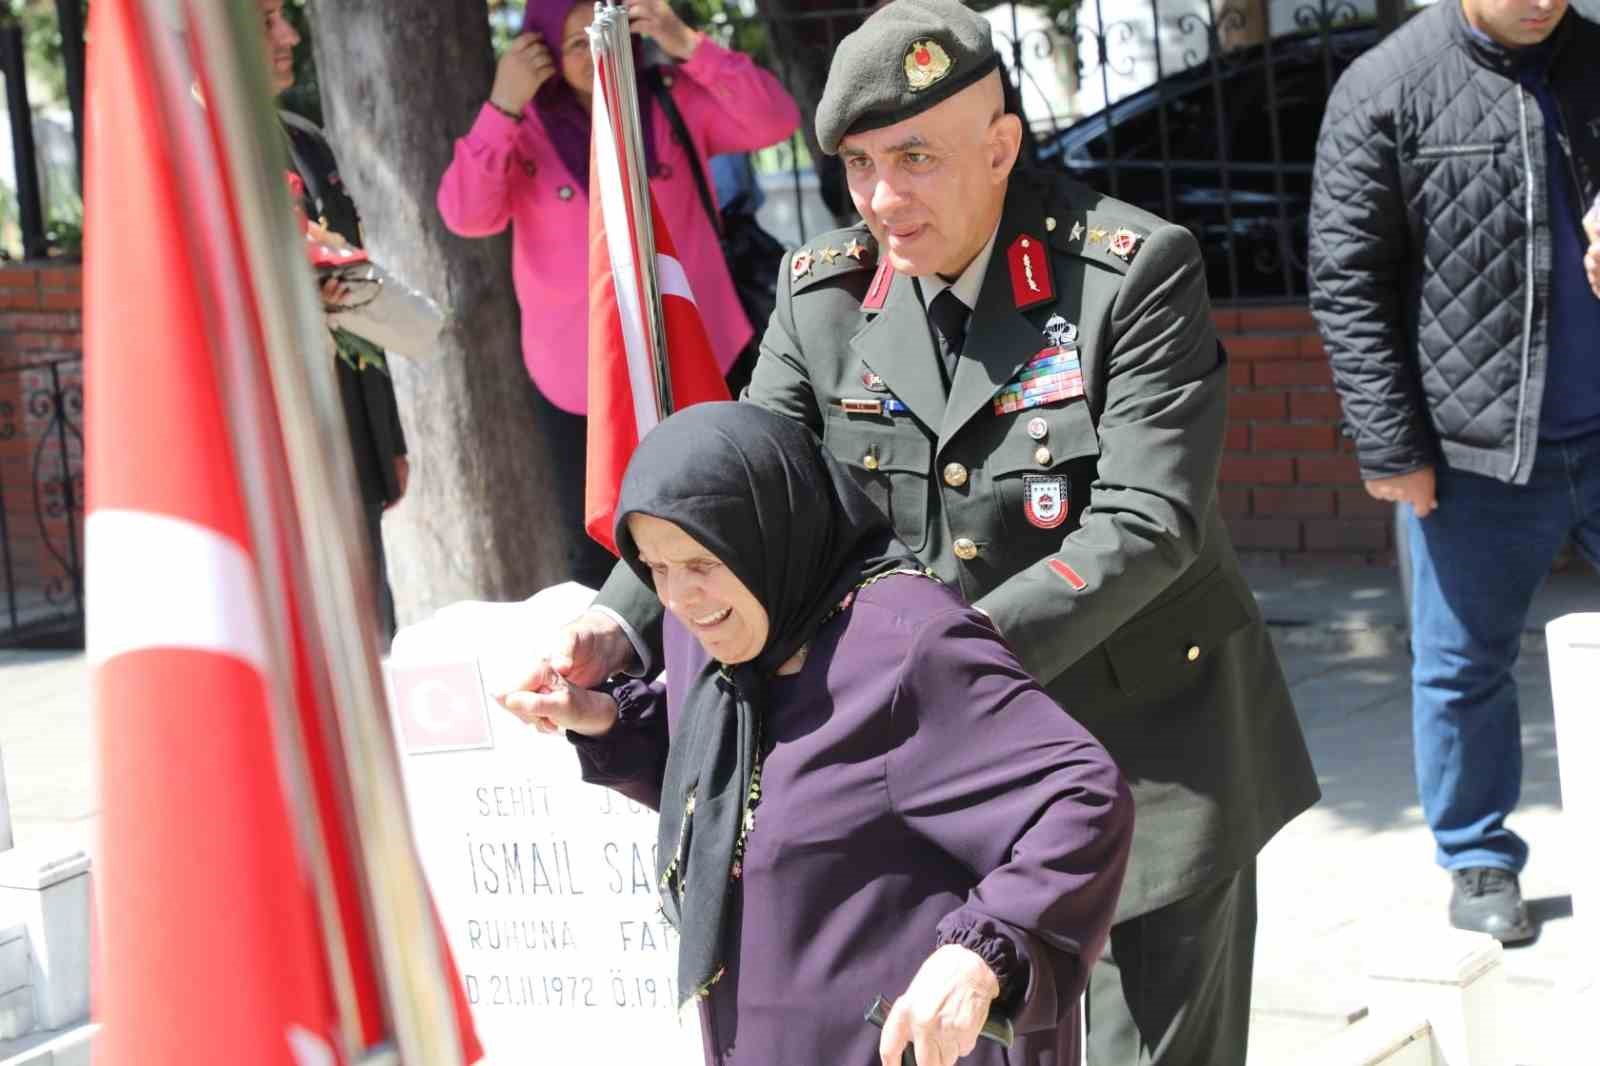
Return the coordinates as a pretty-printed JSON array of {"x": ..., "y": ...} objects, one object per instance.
[
  {"x": 209, "y": 941},
  {"x": 621, "y": 378}
]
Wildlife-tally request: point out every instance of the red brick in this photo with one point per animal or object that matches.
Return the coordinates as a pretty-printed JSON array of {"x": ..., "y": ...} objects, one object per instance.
[
  {"x": 1326, "y": 470},
  {"x": 1346, "y": 560},
  {"x": 1357, "y": 503},
  {"x": 50, "y": 322},
  {"x": 18, "y": 278},
  {"x": 1238, "y": 374},
  {"x": 1225, "y": 319},
  {"x": 1257, "y": 470},
  {"x": 1292, "y": 373},
  {"x": 1267, "y": 437},
  {"x": 1271, "y": 534},
  {"x": 1315, "y": 405},
  {"x": 62, "y": 277},
  {"x": 1347, "y": 534},
  {"x": 1235, "y": 502},
  {"x": 1293, "y": 503},
  {"x": 1289, "y": 318},
  {"x": 1311, "y": 347},
  {"x": 1262, "y": 346},
  {"x": 61, "y": 299},
  {"x": 19, "y": 299},
  {"x": 1256, "y": 404},
  {"x": 1237, "y": 438}
]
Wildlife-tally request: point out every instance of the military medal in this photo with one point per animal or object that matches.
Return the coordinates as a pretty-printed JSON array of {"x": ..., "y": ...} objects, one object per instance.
[
  {"x": 926, "y": 63},
  {"x": 800, "y": 266},
  {"x": 1044, "y": 500},
  {"x": 1059, "y": 332},
  {"x": 1051, "y": 375},
  {"x": 1125, "y": 244},
  {"x": 1030, "y": 272}
]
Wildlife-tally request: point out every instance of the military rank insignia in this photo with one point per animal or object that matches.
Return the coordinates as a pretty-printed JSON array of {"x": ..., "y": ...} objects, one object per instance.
[
  {"x": 1054, "y": 374},
  {"x": 1044, "y": 500},
  {"x": 926, "y": 63},
  {"x": 1030, "y": 272}
]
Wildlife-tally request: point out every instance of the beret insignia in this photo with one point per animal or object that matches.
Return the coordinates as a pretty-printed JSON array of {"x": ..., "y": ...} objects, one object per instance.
[{"x": 926, "y": 64}]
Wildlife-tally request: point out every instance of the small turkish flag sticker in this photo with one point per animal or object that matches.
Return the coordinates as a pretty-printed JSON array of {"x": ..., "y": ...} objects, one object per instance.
[{"x": 440, "y": 707}]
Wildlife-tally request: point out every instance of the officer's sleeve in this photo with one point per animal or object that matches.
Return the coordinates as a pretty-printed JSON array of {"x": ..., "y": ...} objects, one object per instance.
[
  {"x": 1160, "y": 447},
  {"x": 781, "y": 381}
]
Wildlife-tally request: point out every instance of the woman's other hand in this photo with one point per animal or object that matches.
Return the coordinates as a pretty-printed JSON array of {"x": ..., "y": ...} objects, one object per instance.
[
  {"x": 550, "y": 710},
  {"x": 525, "y": 67},
  {"x": 942, "y": 1012},
  {"x": 335, "y": 294},
  {"x": 656, "y": 20}
]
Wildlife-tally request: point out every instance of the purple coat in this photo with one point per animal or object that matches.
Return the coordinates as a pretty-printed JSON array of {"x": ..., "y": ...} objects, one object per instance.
[{"x": 919, "y": 788}]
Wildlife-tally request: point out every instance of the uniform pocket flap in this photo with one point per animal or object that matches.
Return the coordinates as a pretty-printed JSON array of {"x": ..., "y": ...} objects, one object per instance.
[
  {"x": 1053, "y": 434},
  {"x": 1158, "y": 650},
  {"x": 879, "y": 443}
]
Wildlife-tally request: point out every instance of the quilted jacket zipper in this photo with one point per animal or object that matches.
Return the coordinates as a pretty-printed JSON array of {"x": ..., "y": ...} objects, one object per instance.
[{"x": 1527, "y": 308}]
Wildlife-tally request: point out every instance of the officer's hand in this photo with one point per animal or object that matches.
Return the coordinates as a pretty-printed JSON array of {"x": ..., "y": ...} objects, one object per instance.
[
  {"x": 1415, "y": 488},
  {"x": 657, "y": 20},
  {"x": 584, "y": 652},
  {"x": 943, "y": 1011},
  {"x": 521, "y": 72},
  {"x": 591, "y": 714}
]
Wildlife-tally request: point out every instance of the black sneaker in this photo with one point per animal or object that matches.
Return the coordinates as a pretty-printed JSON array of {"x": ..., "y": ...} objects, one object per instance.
[{"x": 1488, "y": 899}]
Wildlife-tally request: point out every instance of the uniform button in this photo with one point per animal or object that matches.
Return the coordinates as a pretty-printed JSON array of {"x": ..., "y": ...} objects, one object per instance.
[
  {"x": 565, "y": 192},
  {"x": 1038, "y": 428},
  {"x": 1042, "y": 456},
  {"x": 1194, "y": 652},
  {"x": 965, "y": 550},
  {"x": 955, "y": 475},
  {"x": 869, "y": 461},
  {"x": 1050, "y": 224}
]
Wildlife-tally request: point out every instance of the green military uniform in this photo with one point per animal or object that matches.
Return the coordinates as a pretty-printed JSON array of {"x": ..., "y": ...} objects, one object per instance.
[{"x": 1064, "y": 479}]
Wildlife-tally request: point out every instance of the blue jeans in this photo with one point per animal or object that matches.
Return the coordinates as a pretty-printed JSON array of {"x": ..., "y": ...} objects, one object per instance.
[{"x": 1476, "y": 563}]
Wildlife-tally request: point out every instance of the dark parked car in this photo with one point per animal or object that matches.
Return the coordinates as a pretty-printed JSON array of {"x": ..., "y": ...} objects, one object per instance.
[{"x": 1224, "y": 148}]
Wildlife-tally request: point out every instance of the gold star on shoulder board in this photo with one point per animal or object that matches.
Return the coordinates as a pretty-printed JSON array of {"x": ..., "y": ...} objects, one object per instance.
[
  {"x": 855, "y": 249},
  {"x": 1077, "y": 231},
  {"x": 829, "y": 254},
  {"x": 1096, "y": 235}
]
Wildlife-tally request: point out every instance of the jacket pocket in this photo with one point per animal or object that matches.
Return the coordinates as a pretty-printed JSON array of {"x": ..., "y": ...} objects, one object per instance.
[
  {"x": 1170, "y": 647},
  {"x": 890, "y": 459}
]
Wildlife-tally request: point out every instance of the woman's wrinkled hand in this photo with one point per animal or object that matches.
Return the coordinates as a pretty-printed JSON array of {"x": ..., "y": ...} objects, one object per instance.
[
  {"x": 942, "y": 1011},
  {"x": 558, "y": 706}
]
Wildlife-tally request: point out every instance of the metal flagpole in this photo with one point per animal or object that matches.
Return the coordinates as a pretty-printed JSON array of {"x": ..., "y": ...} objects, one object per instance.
[
  {"x": 611, "y": 43},
  {"x": 328, "y": 550}
]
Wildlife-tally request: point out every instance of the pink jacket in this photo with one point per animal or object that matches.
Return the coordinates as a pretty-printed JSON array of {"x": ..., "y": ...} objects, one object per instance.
[{"x": 507, "y": 171}]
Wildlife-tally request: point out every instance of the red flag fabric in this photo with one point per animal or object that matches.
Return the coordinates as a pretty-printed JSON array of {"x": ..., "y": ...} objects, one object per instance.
[
  {"x": 207, "y": 948},
  {"x": 621, "y": 388},
  {"x": 208, "y": 945}
]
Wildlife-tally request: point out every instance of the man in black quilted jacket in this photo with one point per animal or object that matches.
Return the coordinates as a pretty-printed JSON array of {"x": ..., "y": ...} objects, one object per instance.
[{"x": 1455, "y": 163}]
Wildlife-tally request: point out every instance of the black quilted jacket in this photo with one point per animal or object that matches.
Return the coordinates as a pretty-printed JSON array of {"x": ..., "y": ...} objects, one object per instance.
[{"x": 1430, "y": 241}]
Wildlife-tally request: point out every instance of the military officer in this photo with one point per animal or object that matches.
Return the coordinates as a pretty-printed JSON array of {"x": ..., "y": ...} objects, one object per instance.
[{"x": 1023, "y": 374}]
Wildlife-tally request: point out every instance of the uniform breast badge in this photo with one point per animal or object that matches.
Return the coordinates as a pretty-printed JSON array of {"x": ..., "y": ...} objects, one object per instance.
[
  {"x": 1044, "y": 500},
  {"x": 926, "y": 63},
  {"x": 1059, "y": 332}
]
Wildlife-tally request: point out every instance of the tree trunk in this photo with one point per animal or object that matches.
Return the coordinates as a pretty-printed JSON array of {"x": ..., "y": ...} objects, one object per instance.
[{"x": 401, "y": 79}]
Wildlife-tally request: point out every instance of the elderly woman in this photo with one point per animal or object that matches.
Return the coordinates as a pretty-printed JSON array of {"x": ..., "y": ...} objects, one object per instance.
[{"x": 861, "y": 791}]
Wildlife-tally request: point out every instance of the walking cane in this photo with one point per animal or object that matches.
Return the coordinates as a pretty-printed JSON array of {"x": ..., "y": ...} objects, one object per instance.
[{"x": 996, "y": 1027}]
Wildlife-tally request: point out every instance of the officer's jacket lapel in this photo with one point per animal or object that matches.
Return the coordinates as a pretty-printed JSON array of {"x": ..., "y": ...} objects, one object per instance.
[
  {"x": 897, "y": 343},
  {"x": 1000, "y": 338}
]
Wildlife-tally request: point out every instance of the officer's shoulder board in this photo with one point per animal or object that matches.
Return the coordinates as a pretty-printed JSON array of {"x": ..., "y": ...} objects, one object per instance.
[
  {"x": 1102, "y": 237},
  {"x": 832, "y": 255}
]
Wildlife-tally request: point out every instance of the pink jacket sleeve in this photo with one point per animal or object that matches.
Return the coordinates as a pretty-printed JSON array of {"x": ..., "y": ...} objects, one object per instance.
[
  {"x": 731, "y": 104},
  {"x": 475, "y": 192}
]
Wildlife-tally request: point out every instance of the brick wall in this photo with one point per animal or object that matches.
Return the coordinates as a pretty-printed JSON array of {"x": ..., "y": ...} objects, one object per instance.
[
  {"x": 1289, "y": 485},
  {"x": 41, "y": 346}
]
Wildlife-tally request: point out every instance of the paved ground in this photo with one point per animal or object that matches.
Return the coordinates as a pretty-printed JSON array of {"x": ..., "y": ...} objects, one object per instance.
[{"x": 1353, "y": 873}]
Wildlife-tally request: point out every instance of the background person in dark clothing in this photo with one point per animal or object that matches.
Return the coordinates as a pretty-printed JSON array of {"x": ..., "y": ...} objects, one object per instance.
[
  {"x": 377, "y": 442},
  {"x": 1447, "y": 278}
]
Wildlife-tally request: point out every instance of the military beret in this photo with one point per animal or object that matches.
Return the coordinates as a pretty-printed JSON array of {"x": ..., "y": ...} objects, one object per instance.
[{"x": 908, "y": 56}]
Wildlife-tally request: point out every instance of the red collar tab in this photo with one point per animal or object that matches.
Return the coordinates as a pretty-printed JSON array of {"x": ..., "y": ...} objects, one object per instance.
[{"x": 1030, "y": 272}]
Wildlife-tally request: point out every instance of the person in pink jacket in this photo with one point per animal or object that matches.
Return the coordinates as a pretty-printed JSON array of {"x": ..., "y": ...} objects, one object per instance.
[{"x": 526, "y": 162}]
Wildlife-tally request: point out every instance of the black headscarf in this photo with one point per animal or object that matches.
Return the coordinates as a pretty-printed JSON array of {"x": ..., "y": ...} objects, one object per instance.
[{"x": 761, "y": 494}]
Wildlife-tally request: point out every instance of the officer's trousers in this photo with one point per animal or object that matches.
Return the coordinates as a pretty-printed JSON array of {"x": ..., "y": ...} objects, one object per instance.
[{"x": 1173, "y": 987}]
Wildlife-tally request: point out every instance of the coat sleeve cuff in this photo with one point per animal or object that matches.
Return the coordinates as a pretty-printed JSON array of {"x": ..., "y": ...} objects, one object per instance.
[
  {"x": 988, "y": 940},
  {"x": 493, "y": 128},
  {"x": 634, "y": 701}
]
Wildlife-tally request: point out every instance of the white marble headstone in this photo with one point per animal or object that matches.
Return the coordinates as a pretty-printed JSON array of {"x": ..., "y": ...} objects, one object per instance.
[{"x": 545, "y": 885}]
